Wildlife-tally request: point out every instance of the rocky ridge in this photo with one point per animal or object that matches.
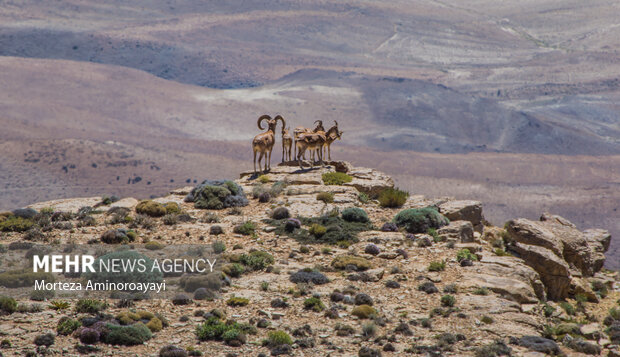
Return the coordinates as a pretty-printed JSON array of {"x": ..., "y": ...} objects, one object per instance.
[{"x": 514, "y": 281}]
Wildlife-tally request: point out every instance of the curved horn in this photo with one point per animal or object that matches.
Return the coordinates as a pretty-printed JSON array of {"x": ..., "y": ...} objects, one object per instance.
[
  {"x": 262, "y": 117},
  {"x": 335, "y": 122},
  {"x": 280, "y": 118},
  {"x": 320, "y": 122}
]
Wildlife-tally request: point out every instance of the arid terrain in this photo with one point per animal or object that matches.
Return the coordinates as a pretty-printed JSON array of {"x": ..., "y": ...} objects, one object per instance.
[
  {"x": 512, "y": 103},
  {"x": 309, "y": 266}
]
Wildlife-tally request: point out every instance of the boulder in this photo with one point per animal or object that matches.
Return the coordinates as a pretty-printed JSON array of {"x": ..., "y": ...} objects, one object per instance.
[
  {"x": 554, "y": 272},
  {"x": 459, "y": 231},
  {"x": 598, "y": 240},
  {"x": 506, "y": 276},
  {"x": 540, "y": 344},
  {"x": 369, "y": 181},
  {"x": 575, "y": 249},
  {"x": 559, "y": 252},
  {"x": 464, "y": 211}
]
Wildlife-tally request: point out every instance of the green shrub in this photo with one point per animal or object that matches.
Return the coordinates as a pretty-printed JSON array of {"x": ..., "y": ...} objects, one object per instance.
[
  {"x": 217, "y": 195},
  {"x": 59, "y": 305},
  {"x": 16, "y": 224},
  {"x": 568, "y": 308},
  {"x": 392, "y": 197},
  {"x": 342, "y": 261},
  {"x": 153, "y": 245},
  {"x": 437, "y": 266},
  {"x": 501, "y": 253},
  {"x": 278, "y": 338},
  {"x": 155, "y": 324},
  {"x": 256, "y": 260},
  {"x": 317, "y": 230},
  {"x": 247, "y": 228},
  {"x": 237, "y": 301},
  {"x": 364, "y": 311},
  {"x": 363, "y": 197},
  {"x": 233, "y": 336},
  {"x": 233, "y": 270},
  {"x": 218, "y": 247},
  {"x": 211, "y": 281},
  {"x": 214, "y": 329},
  {"x": 8, "y": 305},
  {"x": 419, "y": 220},
  {"x": 481, "y": 291},
  {"x": 336, "y": 178},
  {"x": 90, "y": 306},
  {"x": 126, "y": 257},
  {"x": 172, "y": 208},
  {"x": 614, "y": 312},
  {"x": 369, "y": 329},
  {"x": 327, "y": 197},
  {"x": 465, "y": 254},
  {"x": 131, "y": 335},
  {"x": 118, "y": 236},
  {"x": 338, "y": 231},
  {"x": 67, "y": 325},
  {"x": 23, "y": 277},
  {"x": 548, "y": 310},
  {"x": 314, "y": 304},
  {"x": 41, "y": 295},
  {"x": 448, "y": 300},
  {"x": 354, "y": 214},
  {"x": 496, "y": 348},
  {"x": 170, "y": 219},
  {"x": 151, "y": 208},
  {"x": 263, "y": 179},
  {"x": 487, "y": 319}
]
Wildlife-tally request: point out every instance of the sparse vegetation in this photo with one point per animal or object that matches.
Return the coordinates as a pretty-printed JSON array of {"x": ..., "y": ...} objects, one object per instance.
[
  {"x": 217, "y": 195},
  {"x": 237, "y": 301},
  {"x": 359, "y": 263},
  {"x": 437, "y": 266},
  {"x": 16, "y": 224},
  {"x": 277, "y": 338},
  {"x": 364, "y": 311},
  {"x": 336, "y": 178},
  {"x": 465, "y": 254},
  {"x": 317, "y": 230},
  {"x": 314, "y": 304},
  {"x": 448, "y": 300},
  {"x": 151, "y": 208},
  {"x": 256, "y": 260},
  {"x": 392, "y": 197},
  {"x": 131, "y": 335},
  {"x": 247, "y": 228},
  {"x": 67, "y": 325},
  {"x": 355, "y": 214},
  {"x": 90, "y": 306},
  {"x": 327, "y": 197},
  {"x": 419, "y": 220}
]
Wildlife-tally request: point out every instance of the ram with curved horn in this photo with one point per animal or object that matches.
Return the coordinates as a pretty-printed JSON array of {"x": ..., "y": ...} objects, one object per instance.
[
  {"x": 332, "y": 135},
  {"x": 263, "y": 142},
  {"x": 300, "y": 130}
]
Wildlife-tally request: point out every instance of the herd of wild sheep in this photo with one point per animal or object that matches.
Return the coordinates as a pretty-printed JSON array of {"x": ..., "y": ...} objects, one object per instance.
[{"x": 316, "y": 140}]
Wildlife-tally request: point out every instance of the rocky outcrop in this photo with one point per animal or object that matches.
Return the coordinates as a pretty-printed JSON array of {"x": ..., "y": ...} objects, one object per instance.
[
  {"x": 559, "y": 252},
  {"x": 464, "y": 211},
  {"x": 598, "y": 242},
  {"x": 507, "y": 276},
  {"x": 365, "y": 180},
  {"x": 458, "y": 231}
]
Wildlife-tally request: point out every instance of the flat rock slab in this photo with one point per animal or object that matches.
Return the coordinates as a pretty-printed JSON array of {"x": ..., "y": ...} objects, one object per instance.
[{"x": 68, "y": 204}]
